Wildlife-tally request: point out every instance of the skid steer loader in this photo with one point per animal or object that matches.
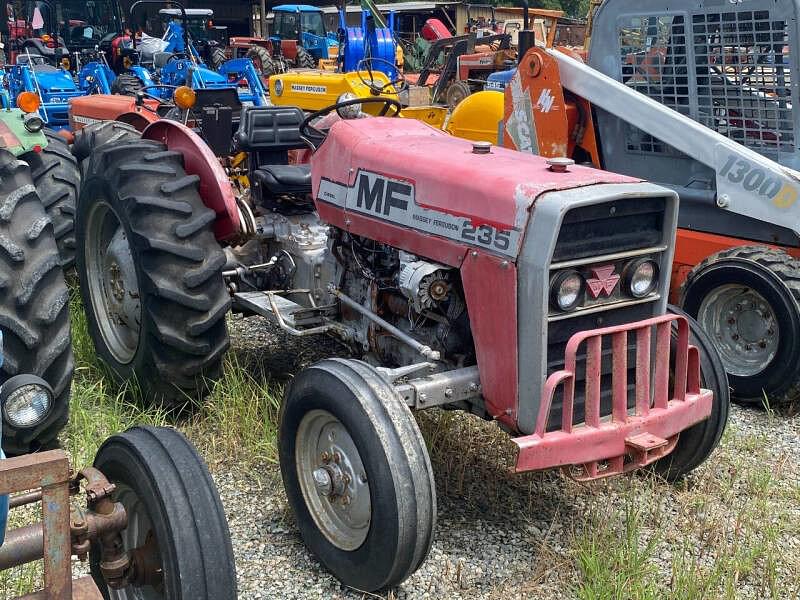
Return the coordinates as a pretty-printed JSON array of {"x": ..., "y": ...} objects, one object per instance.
[{"x": 699, "y": 99}]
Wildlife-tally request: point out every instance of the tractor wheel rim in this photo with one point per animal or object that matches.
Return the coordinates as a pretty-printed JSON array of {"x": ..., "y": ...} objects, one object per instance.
[
  {"x": 113, "y": 286},
  {"x": 333, "y": 480},
  {"x": 136, "y": 535},
  {"x": 743, "y": 326}
]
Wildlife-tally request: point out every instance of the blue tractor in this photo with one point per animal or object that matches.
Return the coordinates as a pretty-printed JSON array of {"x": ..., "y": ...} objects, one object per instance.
[{"x": 300, "y": 32}]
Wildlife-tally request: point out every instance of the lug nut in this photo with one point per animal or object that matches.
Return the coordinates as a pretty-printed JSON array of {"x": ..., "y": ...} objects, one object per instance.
[
  {"x": 325, "y": 457},
  {"x": 337, "y": 458},
  {"x": 345, "y": 500}
]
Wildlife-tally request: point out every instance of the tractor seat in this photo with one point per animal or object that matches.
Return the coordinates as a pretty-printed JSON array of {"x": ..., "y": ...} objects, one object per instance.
[{"x": 283, "y": 179}]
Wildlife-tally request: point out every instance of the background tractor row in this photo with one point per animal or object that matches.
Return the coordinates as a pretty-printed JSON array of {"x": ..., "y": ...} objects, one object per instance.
[{"x": 146, "y": 513}]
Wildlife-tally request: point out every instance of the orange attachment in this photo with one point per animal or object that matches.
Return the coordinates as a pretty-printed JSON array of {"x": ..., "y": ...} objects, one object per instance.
[{"x": 28, "y": 102}]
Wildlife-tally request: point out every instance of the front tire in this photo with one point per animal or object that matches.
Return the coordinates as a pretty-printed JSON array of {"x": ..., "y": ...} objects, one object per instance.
[
  {"x": 261, "y": 60},
  {"x": 57, "y": 179},
  {"x": 748, "y": 300},
  {"x": 34, "y": 303},
  {"x": 342, "y": 424},
  {"x": 697, "y": 443},
  {"x": 168, "y": 495},
  {"x": 150, "y": 272}
]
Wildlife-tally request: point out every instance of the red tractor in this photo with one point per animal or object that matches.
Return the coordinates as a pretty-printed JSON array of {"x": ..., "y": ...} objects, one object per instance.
[{"x": 463, "y": 276}]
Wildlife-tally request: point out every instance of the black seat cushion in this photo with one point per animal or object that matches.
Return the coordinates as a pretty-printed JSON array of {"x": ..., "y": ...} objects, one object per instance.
[{"x": 283, "y": 179}]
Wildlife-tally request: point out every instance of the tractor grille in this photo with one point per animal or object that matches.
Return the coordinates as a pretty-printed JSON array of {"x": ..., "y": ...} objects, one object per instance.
[{"x": 728, "y": 70}]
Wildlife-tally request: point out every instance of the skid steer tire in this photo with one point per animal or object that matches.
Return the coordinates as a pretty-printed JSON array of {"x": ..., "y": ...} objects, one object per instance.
[
  {"x": 127, "y": 85},
  {"x": 57, "y": 179},
  {"x": 748, "y": 300},
  {"x": 105, "y": 132},
  {"x": 150, "y": 272},
  {"x": 304, "y": 59},
  {"x": 34, "y": 303},
  {"x": 261, "y": 60},
  {"x": 697, "y": 443}
]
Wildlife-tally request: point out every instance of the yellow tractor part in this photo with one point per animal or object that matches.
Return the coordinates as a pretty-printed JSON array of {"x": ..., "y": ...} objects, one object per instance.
[
  {"x": 435, "y": 116},
  {"x": 314, "y": 90},
  {"x": 478, "y": 117}
]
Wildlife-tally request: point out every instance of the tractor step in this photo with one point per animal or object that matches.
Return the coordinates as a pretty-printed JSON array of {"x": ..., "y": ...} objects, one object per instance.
[{"x": 289, "y": 312}]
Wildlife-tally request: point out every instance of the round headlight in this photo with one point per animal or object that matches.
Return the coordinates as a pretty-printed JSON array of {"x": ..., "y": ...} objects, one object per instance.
[
  {"x": 566, "y": 290},
  {"x": 33, "y": 122},
  {"x": 26, "y": 401},
  {"x": 352, "y": 111},
  {"x": 641, "y": 277}
]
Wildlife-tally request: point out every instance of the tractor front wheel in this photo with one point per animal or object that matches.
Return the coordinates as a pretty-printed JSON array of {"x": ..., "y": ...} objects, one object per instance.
[
  {"x": 57, "y": 179},
  {"x": 697, "y": 443},
  {"x": 748, "y": 300},
  {"x": 304, "y": 59},
  {"x": 176, "y": 522},
  {"x": 150, "y": 272},
  {"x": 357, "y": 474}
]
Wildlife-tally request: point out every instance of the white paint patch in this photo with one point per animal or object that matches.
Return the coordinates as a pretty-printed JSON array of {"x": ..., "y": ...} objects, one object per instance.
[{"x": 545, "y": 101}]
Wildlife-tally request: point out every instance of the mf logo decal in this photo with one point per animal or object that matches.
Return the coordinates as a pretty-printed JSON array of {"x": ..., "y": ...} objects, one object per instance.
[
  {"x": 604, "y": 281},
  {"x": 545, "y": 101},
  {"x": 393, "y": 199}
]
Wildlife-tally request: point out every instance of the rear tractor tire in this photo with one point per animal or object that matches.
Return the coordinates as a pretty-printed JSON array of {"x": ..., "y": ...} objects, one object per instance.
[
  {"x": 127, "y": 84},
  {"x": 150, "y": 272},
  {"x": 96, "y": 134},
  {"x": 57, "y": 179},
  {"x": 262, "y": 60},
  {"x": 175, "y": 517},
  {"x": 216, "y": 57},
  {"x": 357, "y": 474},
  {"x": 34, "y": 303},
  {"x": 304, "y": 59},
  {"x": 697, "y": 443},
  {"x": 747, "y": 299}
]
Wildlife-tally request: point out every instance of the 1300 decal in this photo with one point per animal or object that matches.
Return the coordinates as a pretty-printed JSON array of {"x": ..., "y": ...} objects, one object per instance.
[
  {"x": 756, "y": 180},
  {"x": 393, "y": 200}
]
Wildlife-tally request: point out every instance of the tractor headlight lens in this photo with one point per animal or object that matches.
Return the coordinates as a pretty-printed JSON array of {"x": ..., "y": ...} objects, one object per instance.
[
  {"x": 566, "y": 290},
  {"x": 184, "y": 97},
  {"x": 33, "y": 122},
  {"x": 641, "y": 277},
  {"x": 26, "y": 401},
  {"x": 352, "y": 111}
]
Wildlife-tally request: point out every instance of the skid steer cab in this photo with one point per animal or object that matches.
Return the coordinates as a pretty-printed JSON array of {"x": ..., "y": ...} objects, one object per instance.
[{"x": 463, "y": 275}]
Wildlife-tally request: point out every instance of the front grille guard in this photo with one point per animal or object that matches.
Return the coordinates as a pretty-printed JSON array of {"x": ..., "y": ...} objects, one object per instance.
[{"x": 627, "y": 438}]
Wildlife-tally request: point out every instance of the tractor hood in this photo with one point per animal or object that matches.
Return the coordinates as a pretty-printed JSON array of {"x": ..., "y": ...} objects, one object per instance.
[{"x": 399, "y": 169}]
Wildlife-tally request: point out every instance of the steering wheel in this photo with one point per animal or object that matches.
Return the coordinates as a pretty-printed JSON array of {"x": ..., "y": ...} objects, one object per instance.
[
  {"x": 159, "y": 99},
  {"x": 377, "y": 88},
  {"x": 315, "y": 136}
]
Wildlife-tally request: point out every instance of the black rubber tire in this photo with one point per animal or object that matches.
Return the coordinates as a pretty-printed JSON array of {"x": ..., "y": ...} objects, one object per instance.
[
  {"x": 304, "y": 60},
  {"x": 127, "y": 84},
  {"x": 697, "y": 443},
  {"x": 96, "y": 134},
  {"x": 216, "y": 57},
  {"x": 178, "y": 266},
  {"x": 178, "y": 494},
  {"x": 57, "y": 179},
  {"x": 34, "y": 303},
  {"x": 396, "y": 462},
  {"x": 262, "y": 60},
  {"x": 775, "y": 276}
]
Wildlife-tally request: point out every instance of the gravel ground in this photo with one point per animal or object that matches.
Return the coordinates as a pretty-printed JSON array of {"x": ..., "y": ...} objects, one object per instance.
[{"x": 498, "y": 535}]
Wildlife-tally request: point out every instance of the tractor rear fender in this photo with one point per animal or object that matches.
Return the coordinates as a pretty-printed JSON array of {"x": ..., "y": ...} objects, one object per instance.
[{"x": 215, "y": 187}]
